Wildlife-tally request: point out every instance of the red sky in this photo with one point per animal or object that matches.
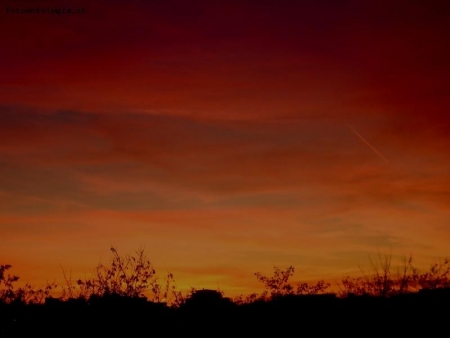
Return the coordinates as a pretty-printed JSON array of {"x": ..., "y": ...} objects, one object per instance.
[{"x": 224, "y": 136}]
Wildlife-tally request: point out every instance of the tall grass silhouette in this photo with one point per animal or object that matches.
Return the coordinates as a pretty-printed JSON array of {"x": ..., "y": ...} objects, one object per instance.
[{"x": 382, "y": 279}]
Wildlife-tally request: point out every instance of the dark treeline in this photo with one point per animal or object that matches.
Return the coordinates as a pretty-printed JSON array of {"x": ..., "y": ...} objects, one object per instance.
[
  {"x": 208, "y": 312},
  {"x": 125, "y": 297}
]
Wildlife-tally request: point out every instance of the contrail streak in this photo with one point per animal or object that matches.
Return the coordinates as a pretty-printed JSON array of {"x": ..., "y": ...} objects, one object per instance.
[{"x": 368, "y": 144}]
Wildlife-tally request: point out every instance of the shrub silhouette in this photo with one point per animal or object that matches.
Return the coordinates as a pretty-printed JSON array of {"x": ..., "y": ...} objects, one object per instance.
[
  {"x": 128, "y": 276},
  {"x": 278, "y": 284},
  {"x": 124, "y": 275}
]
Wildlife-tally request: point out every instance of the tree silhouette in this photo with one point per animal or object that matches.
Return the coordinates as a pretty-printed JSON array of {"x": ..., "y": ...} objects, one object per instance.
[
  {"x": 26, "y": 294},
  {"x": 7, "y": 294}
]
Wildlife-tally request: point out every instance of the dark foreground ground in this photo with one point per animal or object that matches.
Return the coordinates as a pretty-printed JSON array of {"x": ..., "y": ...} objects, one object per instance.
[{"x": 425, "y": 314}]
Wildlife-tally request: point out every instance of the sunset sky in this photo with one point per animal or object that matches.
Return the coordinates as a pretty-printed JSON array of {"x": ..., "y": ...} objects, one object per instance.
[{"x": 225, "y": 137}]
